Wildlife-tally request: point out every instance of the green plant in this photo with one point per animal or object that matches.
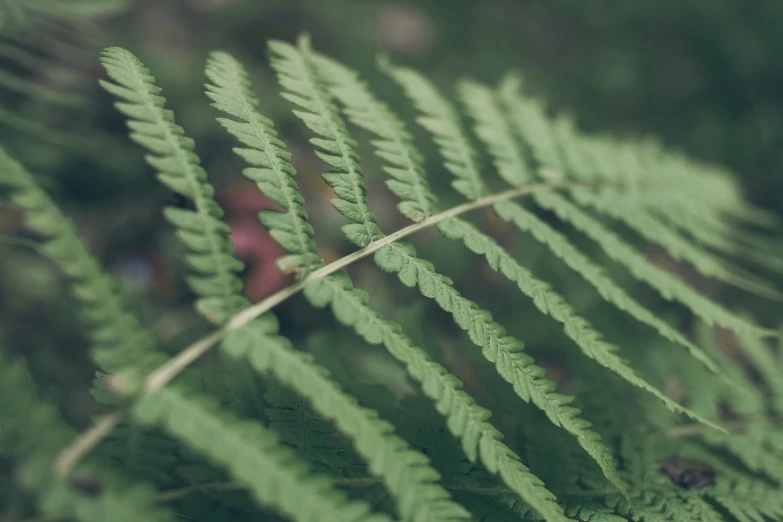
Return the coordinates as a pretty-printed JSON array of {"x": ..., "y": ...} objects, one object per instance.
[
  {"x": 329, "y": 446},
  {"x": 43, "y": 43}
]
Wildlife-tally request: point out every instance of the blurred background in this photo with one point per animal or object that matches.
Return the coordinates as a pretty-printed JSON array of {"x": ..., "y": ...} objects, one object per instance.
[{"x": 704, "y": 77}]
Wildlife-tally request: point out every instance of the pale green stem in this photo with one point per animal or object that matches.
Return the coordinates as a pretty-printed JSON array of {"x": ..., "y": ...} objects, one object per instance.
[{"x": 70, "y": 456}]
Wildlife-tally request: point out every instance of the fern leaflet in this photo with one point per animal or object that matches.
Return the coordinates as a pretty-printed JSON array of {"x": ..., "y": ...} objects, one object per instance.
[
  {"x": 505, "y": 351},
  {"x": 119, "y": 339},
  {"x": 33, "y": 432},
  {"x": 530, "y": 125},
  {"x": 465, "y": 418},
  {"x": 407, "y": 473},
  {"x": 253, "y": 454},
  {"x": 171, "y": 155}
]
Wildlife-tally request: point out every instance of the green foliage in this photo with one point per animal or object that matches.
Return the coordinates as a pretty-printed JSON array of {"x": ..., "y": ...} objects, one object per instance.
[
  {"x": 32, "y": 434},
  {"x": 272, "y": 170},
  {"x": 534, "y": 132},
  {"x": 119, "y": 339},
  {"x": 603, "y": 442},
  {"x": 39, "y": 50},
  {"x": 253, "y": 454},
  {"x": 209, "y": 256}
]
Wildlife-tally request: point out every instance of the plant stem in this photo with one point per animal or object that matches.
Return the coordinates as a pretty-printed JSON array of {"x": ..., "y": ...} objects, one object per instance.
[{"x": 70, "y": 456}]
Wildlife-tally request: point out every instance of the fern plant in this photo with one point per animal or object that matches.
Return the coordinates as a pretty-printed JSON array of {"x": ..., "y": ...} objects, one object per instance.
[
  {"x": 42, "y": 45},
  {"x": 615, "y": 441}
]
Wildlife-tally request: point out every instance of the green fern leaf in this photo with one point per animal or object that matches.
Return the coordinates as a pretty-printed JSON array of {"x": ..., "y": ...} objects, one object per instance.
[
  {"x": 354, "y": 198},
  {"x": 407, "y": 473},
  {"x": 742, "y": 394},
  {"x": 494, "y": 131},
  {"x": 440, "y": 118},
  {"x": 403, "y": 162},
  {"x": 217, "y": 281},
  {"x": 33, "y": 432},
  {"x": 749, "y": 500},
  {"x": 531, "y": 126},
  {"x": 496, "y": 134},
  {"x": 41, "y": 59},
  {"x": 375, "y": 117},
  {"x": 299, "y": 427},
  {"x": 275, "y": 475},
  {"x": 718, "y": 236},
  {"x": 271, "y": 167},
  {"x": 667, "y": 285},
  {"x": 19, "y": 85},
  {"x": 119, "y": 340},
  {"x": 231, "y": 84},
  {"x": 493, "y": 124},
  {"x": 466, "y": 419},
  {"x": 653, "y": 230},
  {"x": 550, "y": 303},
  {"x": 171, "y": 155},
  {"x": 504, "y": 351},
  {"x": 759, "y": 447},
  {"x": 301, "y": 87},
  {"x": 628, "y": 412},
  {"x": 761, "y": 357}
]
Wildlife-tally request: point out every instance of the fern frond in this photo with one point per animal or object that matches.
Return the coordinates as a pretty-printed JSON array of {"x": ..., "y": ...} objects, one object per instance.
[
  {"x": 37, "y": 25},
  {"x": 20, "y": 85},
  {"x": 650, "y": 498},
  {"x": 395, "y": 145},
  {"x": 762, "y": 358},
  {"x": 532, "y": 128},
  {"x": 152, "y": 126},
  {"x": 335, "y": 146},
  {"x": 632, "y": 212},
  {"x": 119, "y": 341},
  {"x": 668, "y": 286},
  {"x": 290, "y": 416},
  {"x": 742, "y": 394},
  {"x": 465, "y": 419},
  {"x": 406, "y": 472},
  {"x": 512, "y": 166},
  {"x": 657, "y": 498},
  {"x": 441, "y": 119},
  {"x": 569, "y": 470},
  {"x": 749, "y": 500},
  {"x": 750, "y": 214},
  {"x": 33, "y": 432},
  {"x": 552, "y": 304},
  {"x": 496, "y": 134},
  {"x": 759, "y": 447},
  {"x": 544, "y": 298},
  {"x": 655, "y": 231},
  {"x": 621, "y": 465},
  {"x": 376, "y": 118},
  {"x": 271, "y": 166},
  {"x": 505, "y": 351},
  {"x": 276, "y": 477},
  {"x": 719, "y": 237},
  {"x": 563, "y": 249},
  {"x": 118, "y": 338}
]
